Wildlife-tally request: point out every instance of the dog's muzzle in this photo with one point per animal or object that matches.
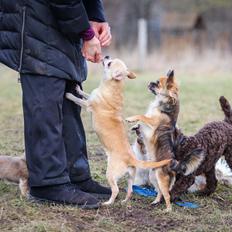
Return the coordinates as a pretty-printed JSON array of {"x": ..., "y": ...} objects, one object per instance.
[
  {"x": 152, "y": 86},
  {"x": 105, "y": 60}
]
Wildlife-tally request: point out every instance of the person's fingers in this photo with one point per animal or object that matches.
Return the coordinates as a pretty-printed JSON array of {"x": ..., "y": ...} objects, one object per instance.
[
  {"x": 106, "y": 42},
  {"x": 90, "y": 58},
  {"x": 96, "y": 32},
  {"x": 104, "y": 33},
  {"x": 98, "y": 57},
  {"x": 105, "y": 37},
  {"x": 98, "y": 54},
  {"x": 92, "y": 50},
  {"x": 95, "y": 57}
]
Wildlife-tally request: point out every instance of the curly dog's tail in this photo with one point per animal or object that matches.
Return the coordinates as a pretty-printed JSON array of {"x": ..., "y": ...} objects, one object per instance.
[{"x": 226, "y": 109}]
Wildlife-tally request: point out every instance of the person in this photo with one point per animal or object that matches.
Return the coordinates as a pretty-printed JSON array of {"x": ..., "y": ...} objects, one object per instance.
[{"x": 48, "y": 42}]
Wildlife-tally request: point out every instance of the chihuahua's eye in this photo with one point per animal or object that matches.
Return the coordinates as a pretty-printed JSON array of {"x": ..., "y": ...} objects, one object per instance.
[{"x": 109, "y": 64}]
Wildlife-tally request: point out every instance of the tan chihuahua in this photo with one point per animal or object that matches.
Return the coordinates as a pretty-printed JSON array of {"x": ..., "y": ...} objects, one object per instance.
[{"x": 106, "y": 103}]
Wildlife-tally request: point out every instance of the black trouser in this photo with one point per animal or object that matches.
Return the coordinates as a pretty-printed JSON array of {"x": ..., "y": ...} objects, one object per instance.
[{"x": 55, "y": 141}]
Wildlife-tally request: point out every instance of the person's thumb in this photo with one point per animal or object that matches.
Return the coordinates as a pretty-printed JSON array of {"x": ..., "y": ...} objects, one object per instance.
[{"x": 96, "y": 32}]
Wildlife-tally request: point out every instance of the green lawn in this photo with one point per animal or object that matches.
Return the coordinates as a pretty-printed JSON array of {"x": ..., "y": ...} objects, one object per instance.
[{"x": 199, "y": 104}]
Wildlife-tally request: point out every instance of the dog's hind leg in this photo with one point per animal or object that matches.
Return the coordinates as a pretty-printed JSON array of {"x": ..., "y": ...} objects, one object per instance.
[
  {"x": 228, "y": 156},
  {"x": 158, "y": 198},
  {"x": 130, "y": 183},
  {"x": 114, "y": 188},
  {"x": 211, "y": 183},
  {"x": 164, "y": 184},
  {"x": 114, "y": 172}
]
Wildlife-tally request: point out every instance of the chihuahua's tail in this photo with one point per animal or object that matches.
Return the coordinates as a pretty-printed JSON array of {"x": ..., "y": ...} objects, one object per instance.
[
  {"x": 150, "y": 164},
  {"x": 226, "y": 108}
]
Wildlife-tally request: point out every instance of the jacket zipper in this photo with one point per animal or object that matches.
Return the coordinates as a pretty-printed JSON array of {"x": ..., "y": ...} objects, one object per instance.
[{"x": 22, "y": 40}]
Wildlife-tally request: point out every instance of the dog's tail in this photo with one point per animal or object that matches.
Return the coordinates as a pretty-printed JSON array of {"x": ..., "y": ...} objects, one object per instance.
[
  {"x": 226, "y": 109},
  {"x": 190, "y": 163},
  {"x": 149, "y": 164}
]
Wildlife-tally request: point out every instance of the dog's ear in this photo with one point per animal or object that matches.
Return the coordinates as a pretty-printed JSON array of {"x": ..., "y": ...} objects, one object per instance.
[
  {"x": 131, "y": 75},
  {"x": 196, "y": 151},
  {"x": 170, "y": 76}
]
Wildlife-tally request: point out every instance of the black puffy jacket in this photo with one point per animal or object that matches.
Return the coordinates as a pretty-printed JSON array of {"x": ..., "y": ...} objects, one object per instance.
[{"x": 42, "y": 36}]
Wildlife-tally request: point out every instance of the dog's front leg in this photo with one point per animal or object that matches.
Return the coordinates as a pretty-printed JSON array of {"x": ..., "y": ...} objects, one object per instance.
[
  {"x": 82, "y": 93},
  {"x": 76, "y": 100},
  {"x": 23, "y": 186},
  {"x": 142, "y": 118},
  {"x": 130, "y": 180},
  {"x": 134, "y": 118}
]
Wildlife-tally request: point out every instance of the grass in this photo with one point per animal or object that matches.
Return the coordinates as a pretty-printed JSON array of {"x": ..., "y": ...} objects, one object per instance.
[{"x": 199, "y": 104}]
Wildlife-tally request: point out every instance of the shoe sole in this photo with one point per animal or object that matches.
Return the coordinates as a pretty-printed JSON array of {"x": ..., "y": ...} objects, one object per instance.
[
  {"x": 38, "y": 200},
  {"x": 101, "y": 196}
]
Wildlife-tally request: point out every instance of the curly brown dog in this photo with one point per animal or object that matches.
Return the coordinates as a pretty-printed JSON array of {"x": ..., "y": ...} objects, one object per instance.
[{"x": 214, "y": 140}]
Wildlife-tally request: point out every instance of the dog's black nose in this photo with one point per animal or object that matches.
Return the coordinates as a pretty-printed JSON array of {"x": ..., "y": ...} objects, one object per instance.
[
  {"x": 152, "y": 84},
  {"x": 107, "y": 57}
]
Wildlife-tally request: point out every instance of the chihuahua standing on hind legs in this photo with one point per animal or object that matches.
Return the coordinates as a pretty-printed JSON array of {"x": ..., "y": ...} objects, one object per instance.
[
  {"x": 154, "y": 133},
  {"x": 106, "y": 103}
]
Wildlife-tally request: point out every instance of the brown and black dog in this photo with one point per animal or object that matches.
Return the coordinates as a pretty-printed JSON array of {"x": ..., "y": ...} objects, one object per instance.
[
  {"x": 156, "y": 137},
  {"x": 165, "y": 104},
  {"x": 214, "y": 140},
  {"x": 106, "y": 104},
  {"x": 155, "y": 130}
]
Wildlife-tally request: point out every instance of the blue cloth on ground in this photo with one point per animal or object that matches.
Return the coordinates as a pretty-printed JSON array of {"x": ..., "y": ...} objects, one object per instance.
[
  {"x": 144, "y": 191},
  {"x": 151, "y": 192}
]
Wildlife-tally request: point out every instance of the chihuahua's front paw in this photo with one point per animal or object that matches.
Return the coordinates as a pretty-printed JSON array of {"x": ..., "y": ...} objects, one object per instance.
[
  {"x": 131, "y": 119},
  {"x": 135, "y": 128},
  {"x": 78, "y": 89},
  {"x": 168, "y": 209},
  {"x": 109, "y": 202}
]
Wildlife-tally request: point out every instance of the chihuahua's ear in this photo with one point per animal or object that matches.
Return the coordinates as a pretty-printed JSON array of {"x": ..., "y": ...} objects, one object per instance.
[
  {"x": 170, "y": 76},
  {"x": 131, "y": 75}
]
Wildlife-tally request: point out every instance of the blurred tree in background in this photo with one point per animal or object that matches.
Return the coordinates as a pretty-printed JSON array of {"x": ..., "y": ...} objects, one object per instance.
[{"x": 201, "y": 24}]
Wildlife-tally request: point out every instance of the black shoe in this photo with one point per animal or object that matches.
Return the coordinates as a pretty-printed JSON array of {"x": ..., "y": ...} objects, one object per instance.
[
  {"x": 94, "y": 188},
  {"x": 64, "y": 194}
]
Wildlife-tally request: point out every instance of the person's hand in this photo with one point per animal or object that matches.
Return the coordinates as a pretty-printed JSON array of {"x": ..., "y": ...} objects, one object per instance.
[
  {"x": 102, "y": 32},
  {"x": 91, "y": 50}
]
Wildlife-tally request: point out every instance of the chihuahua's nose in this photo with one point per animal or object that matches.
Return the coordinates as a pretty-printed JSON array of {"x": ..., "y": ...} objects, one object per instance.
[
  {"x": 107, "y": 57},
  {"x": 152, "y": 84}
]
